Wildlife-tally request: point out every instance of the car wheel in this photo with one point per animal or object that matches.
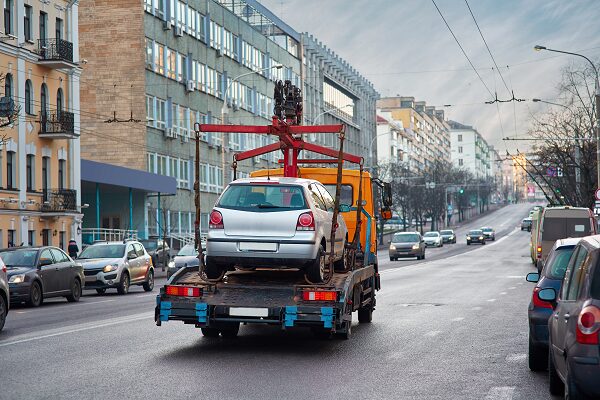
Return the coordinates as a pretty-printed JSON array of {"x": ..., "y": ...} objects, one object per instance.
[
  {"x": 210, "y": 332},
  {"x": 341, "y": 265},
  {"x": 75, "y": 292},
  {"x": 483, "y": 243},
  {"x": 315, "y": 271},
  {"x": 214, "y": 271},
  {"x": 101, "y": 291},
  {"x": 231, "y": 331},
  {"x": 423, "y": 256},
  {"x": 35, "y": 295},
  {"x": 149, "y": 284},
  {"x": 123, "y": 286},
  {"x": 538, "y": 357},
  {"x": 3, "y": 312},
  {"x": 391, "y": 259},
  {"x": 556, "y": 386}
]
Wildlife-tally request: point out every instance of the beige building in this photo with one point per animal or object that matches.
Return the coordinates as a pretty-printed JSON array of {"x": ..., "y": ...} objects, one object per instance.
[{"x": 39, "y": 158}]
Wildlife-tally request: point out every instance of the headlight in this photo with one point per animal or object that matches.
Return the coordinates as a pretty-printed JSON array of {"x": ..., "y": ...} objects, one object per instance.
[
  {"x": 171, "y": 264},
  {"x": 452, "y": 237},
  {"x": 415, "y": 246},
  {"x": 16, "y": 279},
  {"x": 468, "y": 237},
  {"x": 392, "y": 247},
  {"x": 480, "y": 237},
  {"x": 111, "y": 268}
]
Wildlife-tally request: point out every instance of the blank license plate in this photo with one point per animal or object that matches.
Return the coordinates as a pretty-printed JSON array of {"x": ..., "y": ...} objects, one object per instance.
[
  {"x": 250, "y": 246},
  {"x": 248, "y": 312}
]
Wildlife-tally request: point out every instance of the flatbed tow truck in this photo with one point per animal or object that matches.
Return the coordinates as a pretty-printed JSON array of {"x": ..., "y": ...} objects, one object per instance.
[{"x": 285, "y": 297}]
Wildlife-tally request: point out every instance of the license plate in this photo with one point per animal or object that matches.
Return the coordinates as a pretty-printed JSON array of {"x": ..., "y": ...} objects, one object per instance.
[
  {"x": 90, "y": 278},
  {"x": 253, "y": 246},
  {"x": 248, "y": 312}
]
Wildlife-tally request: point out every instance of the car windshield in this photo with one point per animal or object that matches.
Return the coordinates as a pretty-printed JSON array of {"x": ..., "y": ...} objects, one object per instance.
[
  {"x": 432, "y": 234},
  {"x": 20, "y": 258},
  {"x": 103, "y": 251},
  {"x": 475, "y": 233},
  {"x": 345, "y": 195},
  {"x": 556, "y": 265},
  {"x": 187, "y": 250},
  {"x": 405, "y": 238},
  {"x": 446, "y": 233},
  {"x": 263, "y": 197},
  {"x": 150, "y": 244}
]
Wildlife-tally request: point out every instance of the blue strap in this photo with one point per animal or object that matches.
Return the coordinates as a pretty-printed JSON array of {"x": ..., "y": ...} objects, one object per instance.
[
  {"x": 165, "y": 310},
  {"x": 327, "y": 317},
  {"x": 291, "y": 315},
  {"x": 202, "y": 312}
]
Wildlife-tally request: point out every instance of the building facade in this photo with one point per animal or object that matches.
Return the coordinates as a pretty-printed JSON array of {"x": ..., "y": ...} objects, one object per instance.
[
  {"x": 394, "y": 143},
  {"x": 40, "y": 197},
  {"x": 470, "y": 151}
]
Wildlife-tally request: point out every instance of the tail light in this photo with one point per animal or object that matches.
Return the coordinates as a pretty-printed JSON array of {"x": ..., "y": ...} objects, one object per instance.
[
  {"x": 539, "y": 252},
  {"x": 306, "y": 222},
  {"x": 216, "y": 220},
  {"x": 4, "y": 268},
  {"x": 537, "y": 302},
  {"x": 183, "y": 291},
  {"x": 319, "y": 295},
  {"x": 588, "y": 325}
]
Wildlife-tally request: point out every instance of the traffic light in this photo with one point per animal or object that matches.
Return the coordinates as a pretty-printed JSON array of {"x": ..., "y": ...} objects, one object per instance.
[{"x": 461, "y": 190}]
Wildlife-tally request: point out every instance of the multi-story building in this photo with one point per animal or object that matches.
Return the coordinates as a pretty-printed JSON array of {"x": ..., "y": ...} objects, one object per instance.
[
  {"x": 470, "y": 151},
  {"x": 394, "y": 143},
  {"x": 39, "y": 160},
  {"x": 159, "y": 67}
]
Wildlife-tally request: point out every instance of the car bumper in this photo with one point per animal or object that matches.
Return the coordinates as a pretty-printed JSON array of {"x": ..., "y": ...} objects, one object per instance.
[
  {"x": 406, "y": 253},
  {"x": 585, "y": 371},
  {"x": 102, "y": 280},
  {"x": 538, "y": 325},
  {"x": 19, "y": 292}
]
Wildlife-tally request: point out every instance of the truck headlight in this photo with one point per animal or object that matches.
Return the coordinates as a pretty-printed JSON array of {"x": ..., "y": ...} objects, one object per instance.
[
  {"x": 111, "y": 268},
  {"x": 392, "y": 247},
  {"x": 415, "y": 246},
  {"x": 16, "y": 279}
]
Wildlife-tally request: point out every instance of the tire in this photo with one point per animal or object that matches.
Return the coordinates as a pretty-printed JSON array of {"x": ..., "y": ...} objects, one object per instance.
[
  {"x": 365, "y": 314},
  {"x": 341, "y": 265},
  {"x": 35, "y": 295},
  {"x": 391, "y": 259},
  {"x": 231, "y": 331},
  {"x": 423, "y": 256},
  {"x": 3, "y": 312},
  {"x": 149, "y": 284},
  {"x": 123, "y": 286},
  {"x": 556, "y": 386},
  {"x": 75, "y": 292},
  {"x": 213, "y": 271},
  {"x": 316, "y": 269},
  {"x": 101, "y": 291},
  {"x": 210, "y": 332},
  {"x": 538, "y": 357}
]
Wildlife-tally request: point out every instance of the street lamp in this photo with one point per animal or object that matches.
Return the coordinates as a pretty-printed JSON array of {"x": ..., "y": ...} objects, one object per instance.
[{"x": 597, "y": 94}]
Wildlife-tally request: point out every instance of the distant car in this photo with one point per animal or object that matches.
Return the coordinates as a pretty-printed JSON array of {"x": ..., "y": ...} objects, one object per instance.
[
  {"x": 574, "y": 340},
  {"x": 117, "y": 265},
  {"x": 4, "y": 295},
  {"x": 159, "y": 250},
  {"x": 475, "y": 236},
  {"x": 433, "y": 239},
  {"x": 276, "y": 222},
  {"x": 526, "y": 224},
  {"x": 186, "y": 257},
  {"x": 407, "y": 244},
  {"x": 489, "y": 233},
  {"x": 539, "y": 311},
  {"x": 448, "y": 236},
  {"x": 37, "y": 273}
]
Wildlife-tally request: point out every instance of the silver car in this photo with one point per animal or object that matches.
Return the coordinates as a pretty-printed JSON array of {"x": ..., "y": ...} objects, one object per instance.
[
  {"x": 4, "y": 295},
  {"x": 433, "y": 239},
  {"x": 117, "y": 265},
  {"x": 274, "y": 223}
]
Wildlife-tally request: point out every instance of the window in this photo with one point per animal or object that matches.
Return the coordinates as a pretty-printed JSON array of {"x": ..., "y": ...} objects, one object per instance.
[
  {"x": 59, "y": 102},
  {"x": 159, "y": 58},
  {"x": 28, "y": 97},
  {"x": 148, "y": 6},
  {"x": 460, "y": 162},
  {"x": 44, "y": 99},
  {"x": 149, "y": 54},
  {"x": 151, "y": 162},
  {"x": 183, "y": 178},
  {"x": 45, "y": 173},
  {"x": 61, "y": 174},
  {"x": 317, "y": 199},
  {"x": 59, "y": 256},
  {"x": 31, "y": 238},
  {"x": 27, "y": 22},
  {"x": 171, "y": 63},
  {"x": 11, "y": 237},
  {"x": 8, "y": 85},
  {"x": 460, "y": 149},
  {"x": 10, "y": 170},
  {"x": 8, "y": 17},
  {"x": 460, "y": 138},
  {"x": 43, "y": 26},
  {"x": 59, "y": 28},
  {"x": 131, "y": 253},
  {"x": 216, "y": 35},
  {"x": 181, "y": 14},
  {"x": 139, "y": 249},
  {"x": 161, "y": 114},
  {"x": 62, "y": 242},
  {"x": 149, "y": 110},
  {"x": 30, "y": 171},
  {"x": 574, "y": 274}
]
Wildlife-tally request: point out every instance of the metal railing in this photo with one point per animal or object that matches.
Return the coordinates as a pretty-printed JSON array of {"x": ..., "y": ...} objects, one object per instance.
[
  {"x": 55, "y": 49},
  {"x": 59, "y": 200},
  {"x": 57, "y": 122},
  {"x": 90, "y": 235}
]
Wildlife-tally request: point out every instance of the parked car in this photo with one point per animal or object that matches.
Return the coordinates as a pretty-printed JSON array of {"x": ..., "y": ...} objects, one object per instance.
[
  {"x": 526, "y": 224},
  {"x": 4, "y": 295},
  {"x": 186, "y": 257},
  {"x": 117, "y": 265},
  {"x": 276, "y": 222},
  {"x": 433, "y": 239},
  {"x": 407, "y": 244},
  {"x": 539, "y": 311},
  {"x": 489, "y": 233},
  {"x": 159, "y": 250},
  {"x": 38, "y": 273},
  {"x": 448, "y": 236},
  {"x": 574, "y": 327},
  {"x": 475, "y": 236}
]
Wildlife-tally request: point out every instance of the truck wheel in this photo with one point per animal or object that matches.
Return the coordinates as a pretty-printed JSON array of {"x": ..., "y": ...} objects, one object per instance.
[
  {"x": 231, "y": 331},
  {"x": 210, "y": 332},
  {"x": 316, "y": 269},
  {"x": 365, "y": 314},
  {"x": 213, "y": 271}
]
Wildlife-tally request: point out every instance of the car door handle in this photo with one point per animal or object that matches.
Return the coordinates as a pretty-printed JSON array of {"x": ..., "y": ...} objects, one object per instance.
[
  {"x": 555, "y": 315},
  {"x": 567, "y": 316}
]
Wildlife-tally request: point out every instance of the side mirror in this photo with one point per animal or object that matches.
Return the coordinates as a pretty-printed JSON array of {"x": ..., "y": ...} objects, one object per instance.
[
  {"x": 386, "y": 214},
  {"x": 344, "y": 208},
  {"x": 532, "y": 277},
  {"x": 44, "y": 262},
  {"x": 548, "y": 294}
]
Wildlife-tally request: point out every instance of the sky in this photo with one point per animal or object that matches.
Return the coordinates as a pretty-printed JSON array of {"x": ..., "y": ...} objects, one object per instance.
[{"x": 404, "y": 48}]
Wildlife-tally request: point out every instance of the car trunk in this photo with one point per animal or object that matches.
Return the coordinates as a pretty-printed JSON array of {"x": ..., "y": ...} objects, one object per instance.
[{"x": 260, "y": 224}]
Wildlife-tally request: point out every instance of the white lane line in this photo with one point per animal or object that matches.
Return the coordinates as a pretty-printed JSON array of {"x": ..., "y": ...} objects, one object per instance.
[
  {"x": 476, "y": 308},
  {"x": 432, "y": 333},
  {"x": 491, "y": 300},
  {"x": 516, "y": 357},
  {"x": 502, "y": 293},
  {"x": 80, "y": 328},
  {"x": 501, "y": 393},
  {"x": 512, "y": 288},
  {"x": 458, "y": 319}
]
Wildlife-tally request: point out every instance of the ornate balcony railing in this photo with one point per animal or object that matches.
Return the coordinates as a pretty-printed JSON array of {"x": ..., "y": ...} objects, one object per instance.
[
  {"x": 59, "y": 200},
  {"x": 59, "y": 124},
  {"x": 55, "y": 50}
]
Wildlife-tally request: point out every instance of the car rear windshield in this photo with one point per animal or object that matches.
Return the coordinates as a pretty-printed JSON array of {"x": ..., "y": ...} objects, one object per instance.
[
  {"x": 560, "y": 228},
  {"x": 150, "y": 244},
  {"x": 595, "y": 290},
  {"x": 446, "y": 233},
  {"x": 346, "y": 194},
  {"x": 19, "y": 258},
  {"x": 263, "y": 198},
  {"x": 103, "y": 251},
  {"x": 475, "y": 233},
  {"x": 556, "y": 265},
  {"x": 187, "y": 250},
  {"x": 405, "y": 238},
  {"x": 431, "y": 234}
]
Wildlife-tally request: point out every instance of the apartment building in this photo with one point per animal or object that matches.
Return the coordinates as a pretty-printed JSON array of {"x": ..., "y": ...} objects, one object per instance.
[
  {"x": 470, "y": 151},
  {"x": 394, "y": 143},
  {"x": 40, "y": 198}
]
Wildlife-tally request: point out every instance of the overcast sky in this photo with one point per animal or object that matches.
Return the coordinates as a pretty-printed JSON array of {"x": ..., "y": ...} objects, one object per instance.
[{"x": 404, "y": 48}]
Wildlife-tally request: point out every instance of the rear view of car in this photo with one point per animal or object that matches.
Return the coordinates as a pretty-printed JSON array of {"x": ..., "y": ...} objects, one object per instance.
[
  {"x": 526, "y": 224},
  {"x": 407, "y": 244}
]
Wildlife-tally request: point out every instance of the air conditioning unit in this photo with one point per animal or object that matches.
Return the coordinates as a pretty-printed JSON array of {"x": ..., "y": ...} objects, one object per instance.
[
  {"x": 167, "y": 25},
  {"x": 170, "y": 133},
  {"x": 179, "y": 31},
  {"x": 185, "y": 138},
  {"x": 219, "y": 53},
  {"x": 191, "y": 86}
]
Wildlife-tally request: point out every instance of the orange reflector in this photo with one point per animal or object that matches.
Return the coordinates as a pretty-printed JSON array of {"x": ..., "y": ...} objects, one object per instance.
[
  {"x": 184, "y": 291},
  {"x": 539, "y": 249},
  {"x": 321, "y": 295}
]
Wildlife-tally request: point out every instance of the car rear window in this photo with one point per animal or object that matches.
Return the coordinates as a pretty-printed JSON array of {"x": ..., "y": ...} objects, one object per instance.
[
  {"x": 557, "y": 262},
  {"x": 405, "y": 238},
  {"x": 263, "y": 197},
  {"x": 595, "y": 290}
]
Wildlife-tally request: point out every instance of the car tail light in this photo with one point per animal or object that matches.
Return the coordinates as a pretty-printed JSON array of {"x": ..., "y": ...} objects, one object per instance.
[
  {"x": 537, "y": 302},
  {"x": 588, "y": 325},
  {"x": 183, "y": 291},
  {"x": 319, "y": 295},
  {"x": 216, "y": 220},
  {"x": 4, "y": 268},
  {"x": 306, "y": 222}
]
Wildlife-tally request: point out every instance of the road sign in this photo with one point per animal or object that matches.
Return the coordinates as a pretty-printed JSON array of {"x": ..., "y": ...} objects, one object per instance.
[
  {"x": 598, "y": 194},
  {"x": 551, "y": 171}
]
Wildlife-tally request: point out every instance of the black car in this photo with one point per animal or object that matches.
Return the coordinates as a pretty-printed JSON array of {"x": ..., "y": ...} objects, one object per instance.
[
  {"x": 448, "y": 236},
  {"x": 475, "y": 236},
  {"x": 574, "y": 327},
  {"x": 526, "y": 224},
  {"x": 539, "y": 311},
  {"x": 36, "y": 273}
]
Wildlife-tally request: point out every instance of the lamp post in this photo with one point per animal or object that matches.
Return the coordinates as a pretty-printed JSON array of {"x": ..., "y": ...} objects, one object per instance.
[{"x": 597, "y": 95}]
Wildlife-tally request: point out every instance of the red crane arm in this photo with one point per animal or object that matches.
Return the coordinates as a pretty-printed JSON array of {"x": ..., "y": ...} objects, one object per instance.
[{"x": 257, "y": 152}]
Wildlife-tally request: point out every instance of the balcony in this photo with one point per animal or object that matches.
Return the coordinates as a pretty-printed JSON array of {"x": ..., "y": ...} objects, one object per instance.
[
  {"x": 59, "y": 201},
  {"x": 57, "y": 125},
  {"x": 55, "y": 53}
]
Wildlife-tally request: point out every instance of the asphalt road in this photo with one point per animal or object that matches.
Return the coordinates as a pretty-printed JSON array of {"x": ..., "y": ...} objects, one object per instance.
[{"x": 452, "y": 327}]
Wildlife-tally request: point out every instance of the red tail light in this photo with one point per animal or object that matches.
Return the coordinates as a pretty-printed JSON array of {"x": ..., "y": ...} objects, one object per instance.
[
  {"x": 537, "y": 302},
  {"x": 183, "y": 291},
  {"x": 216, "y": 220},
  {"x": 319, "y": 295},
  {"x": 588, "y": 325},
  {"x": 306, "y": 222}
]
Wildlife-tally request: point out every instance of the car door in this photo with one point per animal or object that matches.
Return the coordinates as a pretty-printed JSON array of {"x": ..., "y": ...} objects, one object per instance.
[
  {"x": 321, "y": 214},
  {"x": 48, "y": 273},
  {"x": 65, "y": 270},
  {"x": 132, "y": 262},
  {"x": 143, "y": 261}
]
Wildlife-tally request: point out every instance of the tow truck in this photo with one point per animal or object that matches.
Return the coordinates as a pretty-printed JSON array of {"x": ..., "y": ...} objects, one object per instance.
[{"x": 285, "y": 297}]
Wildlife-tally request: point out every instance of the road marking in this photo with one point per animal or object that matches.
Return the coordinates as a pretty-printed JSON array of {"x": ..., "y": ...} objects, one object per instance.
[
  {"x": 503, "y": 293},
  {"x": 512, "y": 288},
  {"x": 515, "y": 277},
  {"x": 491, "y": 300},
  {"x": 501, "y": 393},
  {"x": 458, "y": 319},
  {"x": 433, "y": 333},
  {"x": 516, "y": 357},
  {"x": 476, "y": 308},
  {"x": 80, "y": 328}
]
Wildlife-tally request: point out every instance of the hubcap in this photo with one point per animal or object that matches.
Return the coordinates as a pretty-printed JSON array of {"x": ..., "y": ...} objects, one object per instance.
[
  {"x": 151, "y": 280},
  {"x": 126, "y": 283}
]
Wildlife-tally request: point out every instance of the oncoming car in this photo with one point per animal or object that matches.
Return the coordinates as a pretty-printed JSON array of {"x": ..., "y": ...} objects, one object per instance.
[
  {"x": 275, "y": 223},
  {"x": 475, "y": 236},
  {"x": 407, "y": 244},
  {"x": 448, "y": 236},
  {"x": 433, "y": 239}
]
